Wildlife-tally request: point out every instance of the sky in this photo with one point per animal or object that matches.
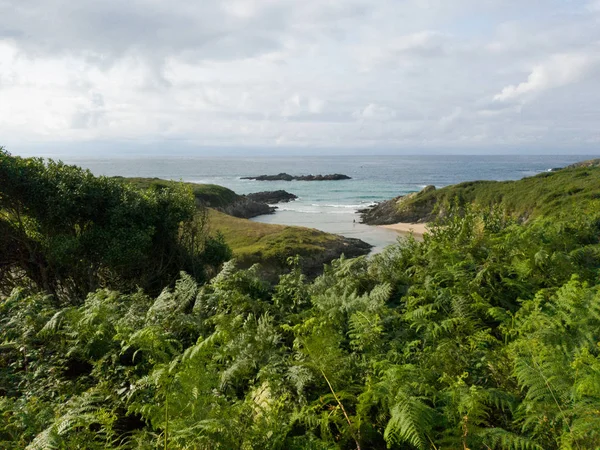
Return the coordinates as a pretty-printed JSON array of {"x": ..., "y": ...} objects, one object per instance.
[{"x": 116, "y": 77}]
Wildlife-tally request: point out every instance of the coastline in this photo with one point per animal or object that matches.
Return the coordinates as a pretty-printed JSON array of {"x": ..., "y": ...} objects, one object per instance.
[{"x": 417, "y": 229}]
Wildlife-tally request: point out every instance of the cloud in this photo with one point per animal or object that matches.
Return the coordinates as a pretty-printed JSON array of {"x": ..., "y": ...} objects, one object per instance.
[
  {"x": 393, "y": 51},
  {"x": 299, "y": 105},
  {"x": 451, "y": 118},
  {"x": 375, "y": 112},
  {"x": 559, "y": 70},
  {"x": 275, "y": 73},
  {"x": 594, "y": 6}
]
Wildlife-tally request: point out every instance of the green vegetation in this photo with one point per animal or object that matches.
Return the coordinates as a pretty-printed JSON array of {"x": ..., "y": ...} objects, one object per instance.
[
  {"x": 549, "y": 194},
  {"x": 205, "y": 194},
  {"x": 253, "y": 242},
  {"x": 70, "y": 232},
  {"x": 483, "y": 336}
]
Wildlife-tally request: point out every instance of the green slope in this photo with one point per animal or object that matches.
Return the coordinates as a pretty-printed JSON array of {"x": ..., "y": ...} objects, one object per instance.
[{"x": 548, "y": 194}]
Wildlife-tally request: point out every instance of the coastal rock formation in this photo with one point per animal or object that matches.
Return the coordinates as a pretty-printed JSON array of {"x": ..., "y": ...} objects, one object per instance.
[
  {"x": 287, "y": 177},
  {"x": 246, "y": 208},
  {"x": 398, "y": 209},
  {"x": 272, "y": 197},
  {"x": 257, "y": 204},
  {"x": 587, "y": 163}
]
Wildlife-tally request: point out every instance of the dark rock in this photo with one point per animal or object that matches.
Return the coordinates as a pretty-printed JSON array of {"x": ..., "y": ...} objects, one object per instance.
[
  {"x": 272, "y": 197},
  {"x": 416, "y": 207},
  {"x": 246, "y": 208},
  {"x": 288, "y": 177}
]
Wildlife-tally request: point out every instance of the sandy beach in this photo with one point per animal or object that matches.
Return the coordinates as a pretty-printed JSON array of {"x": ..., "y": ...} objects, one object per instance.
[{"x": 406, "y": 228}]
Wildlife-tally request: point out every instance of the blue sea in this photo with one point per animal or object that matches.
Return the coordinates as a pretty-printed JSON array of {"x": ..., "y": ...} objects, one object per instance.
[{"x": 332, "y": 205}]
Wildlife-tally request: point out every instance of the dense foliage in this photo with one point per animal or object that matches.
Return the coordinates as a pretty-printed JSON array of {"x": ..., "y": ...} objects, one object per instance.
[
  {"x": 206, "y": 194},
  {"x": 70, "y": 232},
  {"x": 483, "y": 336}
]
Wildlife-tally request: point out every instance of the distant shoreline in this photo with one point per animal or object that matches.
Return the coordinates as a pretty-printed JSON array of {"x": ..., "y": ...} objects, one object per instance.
[{"x": 417, "y": 229}]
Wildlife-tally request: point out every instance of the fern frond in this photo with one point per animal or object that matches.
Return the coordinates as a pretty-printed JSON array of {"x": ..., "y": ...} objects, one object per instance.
[{"x": 411, "y": 422}]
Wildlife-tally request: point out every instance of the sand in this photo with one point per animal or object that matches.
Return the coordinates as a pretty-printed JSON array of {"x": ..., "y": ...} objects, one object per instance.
[{"x": 406, "y": 228}]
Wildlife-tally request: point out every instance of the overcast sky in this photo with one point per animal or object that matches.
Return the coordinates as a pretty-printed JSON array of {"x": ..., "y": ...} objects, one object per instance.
[{"x": 282, "y": 75}]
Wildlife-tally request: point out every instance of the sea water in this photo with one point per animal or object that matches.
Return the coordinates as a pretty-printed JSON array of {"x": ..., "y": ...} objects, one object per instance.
[{"x": 332, "y": 205}]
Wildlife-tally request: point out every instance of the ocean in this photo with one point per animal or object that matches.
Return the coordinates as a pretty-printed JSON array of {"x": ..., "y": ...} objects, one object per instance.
[{"x": 332, "y": 205}]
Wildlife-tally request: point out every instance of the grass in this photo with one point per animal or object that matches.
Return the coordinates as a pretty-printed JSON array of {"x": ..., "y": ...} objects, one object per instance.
[
  {"x": 548, "y": 194},
  {"x": 254, "y": 241}
]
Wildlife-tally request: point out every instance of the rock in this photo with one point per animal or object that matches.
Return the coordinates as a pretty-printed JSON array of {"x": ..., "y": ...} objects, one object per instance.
[
  {"x": 416, "y": 207},
  {"x": 272, "y": 197},
  {"x": 588, "y": 163},
  {"x": 246, "y": 208},
  {"x": 288, "y": 177},
  {"x": 257, "y": 204},
  {"x": 279, "y": 177}
]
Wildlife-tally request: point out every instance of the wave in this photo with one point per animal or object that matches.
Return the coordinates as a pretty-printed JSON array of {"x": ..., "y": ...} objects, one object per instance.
[
  {"x": 337, "y": 205},
  {"x": 319, "y": 210},
  {"x": 307, "y": 211}
]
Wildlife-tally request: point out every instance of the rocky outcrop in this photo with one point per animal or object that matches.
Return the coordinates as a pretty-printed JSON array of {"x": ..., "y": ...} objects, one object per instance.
[
  {"x": 416, "y": 207},
  {"x": 272, "y": 197},
  {"x": 246, "y": 208},
  {"x": 588, "y": 163},
  {"x": 287, "y": 177},
  {"x": 257, "y": 204}
]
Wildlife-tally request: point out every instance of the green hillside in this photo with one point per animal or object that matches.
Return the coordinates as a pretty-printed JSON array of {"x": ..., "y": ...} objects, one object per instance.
[
  {"x": 548, "y": 194},
  {"x": 269, "y": 244}
]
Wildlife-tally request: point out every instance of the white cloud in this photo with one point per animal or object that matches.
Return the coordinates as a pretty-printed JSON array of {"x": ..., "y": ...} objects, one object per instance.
[
  {"x": 560, "y": 70},
  {"x": 400, "y": 50},
  {"x": 315, "y": 105},
  {"x": 594, "y": 5},
  {"x": 451, "y": 118},
  {"x": 375, "y": 112}
]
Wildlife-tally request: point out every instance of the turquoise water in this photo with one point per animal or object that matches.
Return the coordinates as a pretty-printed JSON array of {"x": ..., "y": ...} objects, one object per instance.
[{"x": 331, "y": 205}]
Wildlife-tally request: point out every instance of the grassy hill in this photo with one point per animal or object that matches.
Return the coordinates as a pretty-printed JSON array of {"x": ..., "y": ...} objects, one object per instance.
[
  {"x": 269, "y": 244},
  {"x": 547, "y": 194},
  {"x": 253, "y": 242}
]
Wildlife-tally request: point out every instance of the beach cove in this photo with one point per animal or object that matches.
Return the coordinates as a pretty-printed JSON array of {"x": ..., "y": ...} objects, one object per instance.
[{"x": 332, "y": 206}]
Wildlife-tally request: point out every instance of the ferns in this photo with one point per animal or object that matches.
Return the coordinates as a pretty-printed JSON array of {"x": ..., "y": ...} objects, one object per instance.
[
  {"x": 410, "y": 422},
  {"x": 73, "y": 426},
  {"x": 483, "y": 336}
]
